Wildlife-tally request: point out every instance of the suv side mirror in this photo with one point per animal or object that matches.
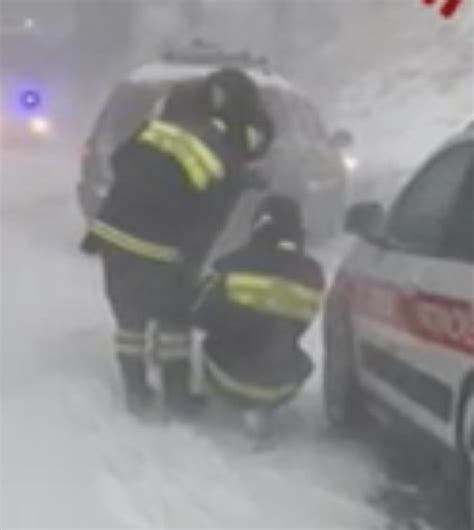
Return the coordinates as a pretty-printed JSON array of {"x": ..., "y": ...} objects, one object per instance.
[
  {"x": 342, "y": 139},
  {"x": 365, "y": 220}
]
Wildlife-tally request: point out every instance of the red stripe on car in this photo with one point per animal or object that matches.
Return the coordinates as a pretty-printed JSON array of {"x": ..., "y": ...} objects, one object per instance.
[{"x": 438, "y": 319}]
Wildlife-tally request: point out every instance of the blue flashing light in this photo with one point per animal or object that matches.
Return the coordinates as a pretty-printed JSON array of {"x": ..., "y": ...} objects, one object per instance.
[{"x": 30, "y": 99}]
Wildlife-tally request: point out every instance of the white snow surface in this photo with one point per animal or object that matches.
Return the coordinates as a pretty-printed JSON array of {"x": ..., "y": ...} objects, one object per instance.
[{"x": 72, "y": 458}]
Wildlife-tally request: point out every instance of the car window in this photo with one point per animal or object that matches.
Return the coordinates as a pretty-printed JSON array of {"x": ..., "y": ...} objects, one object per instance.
[
  {"x": 459, "y": 241},
  {"x": 313, "y": 126},
  {"x": 419, "y": 218},
  {"x": 280, "y": 109},
  {"x": 127, "y": 107}
]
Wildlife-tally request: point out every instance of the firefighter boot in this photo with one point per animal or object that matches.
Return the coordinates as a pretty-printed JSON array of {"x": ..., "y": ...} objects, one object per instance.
[
  {"x": 178, "y": 397},
  {"x": 140, "y": 399}
]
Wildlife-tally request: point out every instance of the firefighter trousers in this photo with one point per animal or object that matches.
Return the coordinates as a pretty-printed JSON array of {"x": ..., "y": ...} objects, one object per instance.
[{"x": 150, "y": 301}]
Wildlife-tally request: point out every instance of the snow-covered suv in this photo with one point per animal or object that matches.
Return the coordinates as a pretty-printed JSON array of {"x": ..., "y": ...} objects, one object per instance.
[
  {"x": 399, "y": 319},
  {"x": 304, "y": 160}
]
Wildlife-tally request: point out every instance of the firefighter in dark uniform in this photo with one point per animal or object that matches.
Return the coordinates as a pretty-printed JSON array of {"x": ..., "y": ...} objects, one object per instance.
[
  {"x": 176, "y": 181},
  {"x": 254, "y": 308}
]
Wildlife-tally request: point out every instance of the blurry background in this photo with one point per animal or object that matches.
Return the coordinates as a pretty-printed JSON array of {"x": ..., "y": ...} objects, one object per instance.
[
  {"x": 356, "y": 58},
  {"x": 394, "y": 72}
]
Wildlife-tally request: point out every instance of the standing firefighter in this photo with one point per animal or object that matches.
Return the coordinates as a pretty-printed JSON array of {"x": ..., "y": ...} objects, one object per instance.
[
  {"x": 253, "y": 310},
  {"x": 176, "y": 181}
]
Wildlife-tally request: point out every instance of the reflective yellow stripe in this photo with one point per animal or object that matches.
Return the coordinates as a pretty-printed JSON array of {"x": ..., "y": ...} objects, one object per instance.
[
  {"x": 272, "y": 294},
  {"x": 258, "y": 393},
  {"x": 201, "y": 165},
  {"x": 197, "y": 175},
  {"x": 130, "y": 342},
  {"x": 134, "y": 244},
  {"x": 208, "y": 158}
]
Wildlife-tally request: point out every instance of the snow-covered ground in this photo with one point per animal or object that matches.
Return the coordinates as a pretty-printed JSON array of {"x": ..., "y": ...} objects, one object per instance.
[{"x": 71, "y": 458}]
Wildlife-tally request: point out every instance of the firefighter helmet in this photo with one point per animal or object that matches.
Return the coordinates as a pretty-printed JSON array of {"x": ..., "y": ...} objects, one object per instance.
[{"x": 230, "y": 96}]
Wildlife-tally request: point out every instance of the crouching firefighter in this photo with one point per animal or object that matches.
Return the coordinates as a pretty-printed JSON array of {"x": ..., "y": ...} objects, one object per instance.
[
  {"x": 176, "y": 181},
  {"x": 252, "y": 312}
]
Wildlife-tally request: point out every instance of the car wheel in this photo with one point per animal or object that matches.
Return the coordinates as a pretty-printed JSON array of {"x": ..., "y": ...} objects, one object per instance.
[
  {"x": 467, "y": 448},
  {"x": 340, "y": 388}
]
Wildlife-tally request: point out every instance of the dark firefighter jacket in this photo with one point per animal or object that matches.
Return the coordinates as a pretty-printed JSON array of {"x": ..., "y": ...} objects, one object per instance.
[
  {"x": 171, "y": 195},
  {"x": 254, "y": 308}
]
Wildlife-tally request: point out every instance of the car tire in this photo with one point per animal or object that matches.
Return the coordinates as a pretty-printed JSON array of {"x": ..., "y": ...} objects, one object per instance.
[
  {"x": 340, "y": 388},
  {"x": 467, "y": 452}
]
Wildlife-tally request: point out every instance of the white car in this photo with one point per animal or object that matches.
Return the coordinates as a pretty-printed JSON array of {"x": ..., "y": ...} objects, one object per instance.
[
  {"x": 304, "y": 161},
  {"x": 399, "y": 318}
]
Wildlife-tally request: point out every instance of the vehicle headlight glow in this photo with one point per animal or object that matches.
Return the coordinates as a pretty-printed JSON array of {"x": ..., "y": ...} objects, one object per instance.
[
  {"x": 39, "y": 126},
  {"x": 350, "y": 163}
]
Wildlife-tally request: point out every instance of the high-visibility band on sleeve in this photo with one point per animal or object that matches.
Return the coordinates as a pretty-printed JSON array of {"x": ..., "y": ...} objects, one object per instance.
[
  {"x": 201, "y": 165},
  {"x": 264, "y": 394},
  {"x": 133, "y": 244},
  {"x": 273, "y": 295}
]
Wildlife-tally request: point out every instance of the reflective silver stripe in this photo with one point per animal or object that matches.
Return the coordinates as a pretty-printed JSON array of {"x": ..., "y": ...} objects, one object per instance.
[
  {"x": 262, "y": 393},
  {"x": 197, "y": 365},
  {"x": 130, "y": 342},
  {"x": 151, "y": 341},
  {"x": 166, "y": 345},
  {"x": 174, "y": 339},
  {"x": 289, "y": 246},
  {"x": 173, "y": 346}
]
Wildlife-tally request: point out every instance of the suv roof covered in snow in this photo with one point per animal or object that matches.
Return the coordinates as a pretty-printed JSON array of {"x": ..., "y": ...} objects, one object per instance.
[{"x": 199, "y": 59}]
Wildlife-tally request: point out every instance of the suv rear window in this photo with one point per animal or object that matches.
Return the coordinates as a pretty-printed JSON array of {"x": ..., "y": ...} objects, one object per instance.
[
  {"x": 279, "y": 110},
  {"x": 130, "y": 103},
  {"x": 126, "y": 108}
]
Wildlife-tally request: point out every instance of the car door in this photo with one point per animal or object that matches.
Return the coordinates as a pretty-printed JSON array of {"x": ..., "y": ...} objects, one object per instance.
[
  {"x": 445, "y": 307},
  {"x": 409, "y": 290}
]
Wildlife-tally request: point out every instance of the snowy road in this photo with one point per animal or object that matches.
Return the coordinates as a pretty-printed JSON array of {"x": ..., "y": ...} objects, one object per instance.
[{"x": 72, "y": 459}]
